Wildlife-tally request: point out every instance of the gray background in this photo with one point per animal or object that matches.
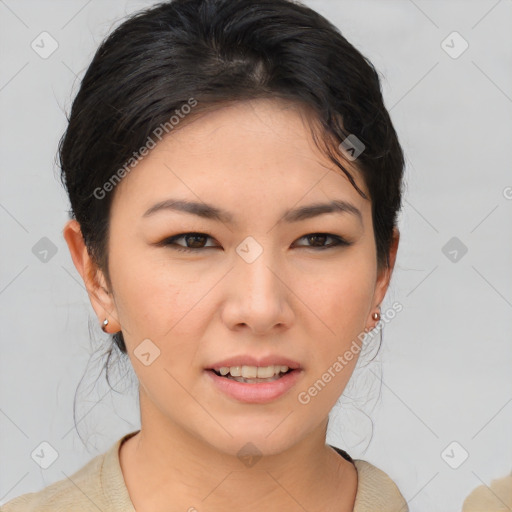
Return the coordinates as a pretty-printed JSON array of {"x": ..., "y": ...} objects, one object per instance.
[{"x": 446, "y": 358}]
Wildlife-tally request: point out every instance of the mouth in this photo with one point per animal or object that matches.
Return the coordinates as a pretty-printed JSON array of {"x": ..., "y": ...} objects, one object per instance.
[
  {"x": 256, "y": 380},
  {"x": 254, "y": 385},
  {"x": 253, "y": 374}
]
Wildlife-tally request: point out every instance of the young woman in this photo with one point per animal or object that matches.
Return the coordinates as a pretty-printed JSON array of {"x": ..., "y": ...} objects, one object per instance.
[{"x": 234, "y": 179}]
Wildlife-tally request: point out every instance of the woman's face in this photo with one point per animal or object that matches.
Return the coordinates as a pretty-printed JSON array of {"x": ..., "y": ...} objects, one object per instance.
[{"x": 256, "y": 284}]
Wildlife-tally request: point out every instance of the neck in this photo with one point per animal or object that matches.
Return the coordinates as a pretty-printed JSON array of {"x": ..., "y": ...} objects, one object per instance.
[{"x": 164, "y": 464}]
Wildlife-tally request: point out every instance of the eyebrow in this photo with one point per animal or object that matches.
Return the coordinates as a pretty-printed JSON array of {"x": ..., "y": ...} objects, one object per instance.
[{"x": 208, "y": 211}]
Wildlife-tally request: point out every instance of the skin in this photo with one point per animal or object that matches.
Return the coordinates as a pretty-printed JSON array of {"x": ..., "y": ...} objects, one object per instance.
[{"x": 255, "y": 159}]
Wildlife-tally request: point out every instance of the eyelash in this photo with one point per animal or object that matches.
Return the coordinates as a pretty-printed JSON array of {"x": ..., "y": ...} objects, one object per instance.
[{"x": 169, "y": 242}]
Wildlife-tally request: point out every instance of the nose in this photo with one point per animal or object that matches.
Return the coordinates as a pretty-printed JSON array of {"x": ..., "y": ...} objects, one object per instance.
[{"x": 258, "y": 295}]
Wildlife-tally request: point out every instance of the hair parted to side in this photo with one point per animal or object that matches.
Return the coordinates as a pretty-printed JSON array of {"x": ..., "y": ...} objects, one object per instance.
[{"x": 217, "y": 51}]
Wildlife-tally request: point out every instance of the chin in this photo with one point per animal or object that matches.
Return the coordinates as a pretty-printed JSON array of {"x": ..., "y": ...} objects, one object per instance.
[{"x": 253, "y": 442}]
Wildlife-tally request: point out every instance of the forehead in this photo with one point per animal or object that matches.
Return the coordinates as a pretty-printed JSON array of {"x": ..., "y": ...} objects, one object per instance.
[{"x": 242, "y": 152}]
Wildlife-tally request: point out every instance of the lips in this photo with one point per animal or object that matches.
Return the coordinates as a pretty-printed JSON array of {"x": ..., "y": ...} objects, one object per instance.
[
  {"x": 255, "y": 392},
  {"x": 249, "y": 360}
]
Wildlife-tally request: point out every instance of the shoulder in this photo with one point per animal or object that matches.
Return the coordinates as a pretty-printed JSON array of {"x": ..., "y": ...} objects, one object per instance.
[
  {"x": 66, "y": 494},
  {"x": 376, "y": 490},
  {"x": 490, "y": 498},
  {"x": 98, "y": 485}
]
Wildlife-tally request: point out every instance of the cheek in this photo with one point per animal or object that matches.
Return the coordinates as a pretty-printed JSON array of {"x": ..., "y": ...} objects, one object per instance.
[
  {"x": 342, "y": 298},
  {"x": 157, "y": 300},
  {"x": 165, "y": 307}
]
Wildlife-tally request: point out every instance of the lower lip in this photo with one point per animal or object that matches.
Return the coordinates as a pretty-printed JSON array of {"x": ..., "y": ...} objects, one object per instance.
[{"x": 257, "y": 393}]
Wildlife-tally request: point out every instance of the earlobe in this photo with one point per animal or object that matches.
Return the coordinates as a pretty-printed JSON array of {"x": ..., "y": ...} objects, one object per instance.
[
  {"x": 94, "y": 280},
  {"x": 374, "y": 320}
]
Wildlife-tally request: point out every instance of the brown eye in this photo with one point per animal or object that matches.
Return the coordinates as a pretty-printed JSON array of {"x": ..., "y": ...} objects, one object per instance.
[
  {"x": 194, "y": 242},
  {"x": 317, "y": 241}
]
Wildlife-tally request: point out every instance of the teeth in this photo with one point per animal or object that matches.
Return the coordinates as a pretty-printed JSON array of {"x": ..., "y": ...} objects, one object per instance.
[
  {"x": 265, "y": 372},
  {"x": 236, "y": 371},
  {"x": 253, "y": 372}
]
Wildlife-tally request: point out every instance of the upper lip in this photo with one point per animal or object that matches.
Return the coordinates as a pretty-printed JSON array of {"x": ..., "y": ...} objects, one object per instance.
[{"x": 248, "y": 360}]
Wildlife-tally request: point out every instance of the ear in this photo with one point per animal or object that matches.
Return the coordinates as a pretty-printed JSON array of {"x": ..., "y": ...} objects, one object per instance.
[
  {"x": 102, "y": 300},
  {"x": 383, "y": 278}
]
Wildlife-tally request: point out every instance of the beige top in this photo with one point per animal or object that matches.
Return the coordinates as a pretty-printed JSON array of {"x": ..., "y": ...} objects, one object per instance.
[
  {"x": 494, "y": 498},
  {"x": 99, "y": 485}
]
